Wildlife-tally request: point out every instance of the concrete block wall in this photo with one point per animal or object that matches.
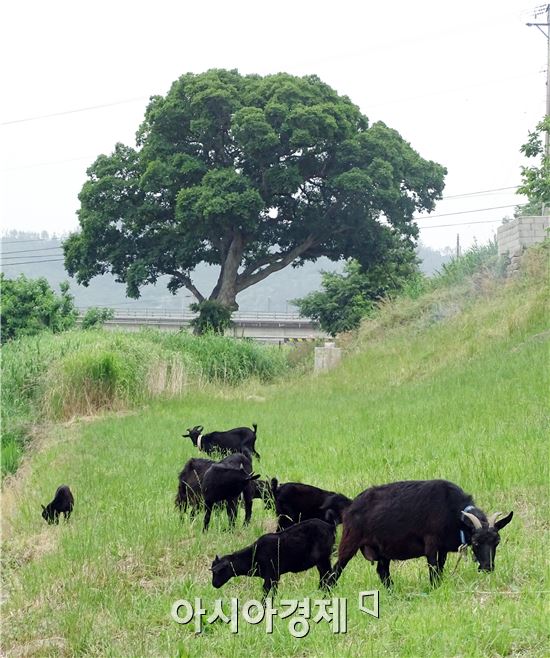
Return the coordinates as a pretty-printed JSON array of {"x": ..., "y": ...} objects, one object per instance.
[{"x": 521, "y": 233}]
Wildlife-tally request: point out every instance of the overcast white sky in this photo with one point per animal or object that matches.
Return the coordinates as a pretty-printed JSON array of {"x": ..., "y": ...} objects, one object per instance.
[{"x": 463, "y": 82}]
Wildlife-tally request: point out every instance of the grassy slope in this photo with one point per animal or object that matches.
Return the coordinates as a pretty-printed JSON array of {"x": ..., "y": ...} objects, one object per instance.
[{"x": 461, "y": 397}]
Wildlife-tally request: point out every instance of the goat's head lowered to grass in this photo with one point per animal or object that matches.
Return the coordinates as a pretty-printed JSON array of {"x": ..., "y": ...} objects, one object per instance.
[{"x": 485, "y": 538}]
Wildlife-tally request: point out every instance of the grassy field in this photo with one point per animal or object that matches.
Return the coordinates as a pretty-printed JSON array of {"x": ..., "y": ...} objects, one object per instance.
[{"x": 451, "y": 385}]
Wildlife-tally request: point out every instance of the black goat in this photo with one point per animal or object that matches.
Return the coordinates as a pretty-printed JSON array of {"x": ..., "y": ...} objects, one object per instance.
[
  {"x": 225, "y": 481},
  {"x": 296, "y": 502},
  {"x": 239, "y": 439},
  {"x": 190, "y": 484},
  {"x": 405, "y": 520},
  {"x": 62, "y": 503},
  {"x": 300, "y": 547}
]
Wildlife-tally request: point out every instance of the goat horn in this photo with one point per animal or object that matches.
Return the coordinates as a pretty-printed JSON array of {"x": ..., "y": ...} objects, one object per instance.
[
  {"x": 491, "y": 520},
  {"x": 473, "y": 519}
]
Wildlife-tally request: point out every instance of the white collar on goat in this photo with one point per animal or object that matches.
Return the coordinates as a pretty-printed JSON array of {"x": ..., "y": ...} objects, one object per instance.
[{"x": 199, "y": 439}]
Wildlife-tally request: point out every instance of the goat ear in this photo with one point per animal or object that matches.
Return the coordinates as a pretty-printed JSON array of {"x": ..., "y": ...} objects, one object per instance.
[
  {"x": 42, "y": 506},
  {"x": 505, "y": 521}
]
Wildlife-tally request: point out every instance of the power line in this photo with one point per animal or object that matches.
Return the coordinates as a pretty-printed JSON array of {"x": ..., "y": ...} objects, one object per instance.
[
  {"x": 26, "y": 251},
  {"x": 481, "y": 221},
  {"x": 464, "y": 212},
  {"x": 495, "y": 189},
  {"x": 74, "y": 111},
  {"x": 33, "y": 240},
  {"x": 32, "y": 262}
]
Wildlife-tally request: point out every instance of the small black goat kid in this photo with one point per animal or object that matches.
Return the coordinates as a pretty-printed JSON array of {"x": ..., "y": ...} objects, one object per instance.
[
  {"x": 296, "y": 502},
  {"x": 62, "y": 503},
  {"x": 300, "y": 547},
  {"x": 416, "y": 518},
  {"x": 225, "y": 481},
  {"x": 239, "y": 439}
]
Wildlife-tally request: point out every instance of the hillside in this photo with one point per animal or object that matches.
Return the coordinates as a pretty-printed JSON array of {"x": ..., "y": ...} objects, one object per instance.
[{"x": 451, "y": 385}]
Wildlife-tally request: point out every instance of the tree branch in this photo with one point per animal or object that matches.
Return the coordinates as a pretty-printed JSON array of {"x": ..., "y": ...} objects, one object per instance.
[
  {"x": 187, "y": 283},
  {"x": 277, "y": 262}
]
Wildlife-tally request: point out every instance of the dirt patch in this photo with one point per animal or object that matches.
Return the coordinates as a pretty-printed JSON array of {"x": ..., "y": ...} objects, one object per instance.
[{"x": 50, "y": 646}]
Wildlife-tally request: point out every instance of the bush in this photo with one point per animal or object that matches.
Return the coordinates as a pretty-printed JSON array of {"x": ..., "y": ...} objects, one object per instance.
[
  {"x": 213, "y": 317},
  {"x": 96, "y": 317},
  {"x": 30, "y": 306}
]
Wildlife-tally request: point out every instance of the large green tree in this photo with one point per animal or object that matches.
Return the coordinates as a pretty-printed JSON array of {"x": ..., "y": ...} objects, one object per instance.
[{"x": 251, "y": 174}]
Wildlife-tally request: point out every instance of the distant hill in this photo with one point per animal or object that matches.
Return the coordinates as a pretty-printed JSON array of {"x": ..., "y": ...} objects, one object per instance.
[{"x": 40, "y": 255}]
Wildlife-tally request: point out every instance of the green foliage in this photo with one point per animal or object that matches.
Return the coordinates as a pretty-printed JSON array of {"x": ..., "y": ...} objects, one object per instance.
[
  {"x": 252, "y": 174},
  {"x": 213, "y": 317},
  {"x": 30, "y": 306},
  {"x": 536, "y": 179},
  {"x": 347, "y": 298},
  {"x": 96, "y": 317}
]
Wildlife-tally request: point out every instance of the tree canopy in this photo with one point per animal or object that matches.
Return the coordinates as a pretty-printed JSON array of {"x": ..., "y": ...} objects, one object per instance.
[{"x": 251, "y": 174}]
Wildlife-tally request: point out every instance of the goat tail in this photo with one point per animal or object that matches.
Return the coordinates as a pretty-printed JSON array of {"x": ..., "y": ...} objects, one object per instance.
[
  {"x": 255, "y": 428},
  {"x": 253, "y": 476},
  {"x": 274, "y": 486},
  {"x": 349, "y": 544}
]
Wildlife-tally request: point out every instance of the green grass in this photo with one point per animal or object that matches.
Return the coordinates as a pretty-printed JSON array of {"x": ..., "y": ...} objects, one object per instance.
[{"x": 453, "y": 385}]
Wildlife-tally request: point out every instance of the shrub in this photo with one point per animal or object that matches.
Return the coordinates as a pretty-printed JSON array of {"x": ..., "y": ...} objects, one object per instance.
[
  {"x": 30, "y": 306},
  {"x": 96, "y": 317},
  {"x": 213, "y": 317}
]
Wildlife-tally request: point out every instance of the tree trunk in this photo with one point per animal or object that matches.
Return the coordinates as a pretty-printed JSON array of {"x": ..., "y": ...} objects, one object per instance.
[{"x": 225, "y": 290}]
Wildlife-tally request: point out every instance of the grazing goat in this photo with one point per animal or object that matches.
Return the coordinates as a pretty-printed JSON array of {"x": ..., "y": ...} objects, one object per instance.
[
  {"x": 296, "y": 502},
  {"x": 405, "y": 520},
  {"x": 190, "y": 484},
  {"x": 225, "y": 481},
  {"x": 62, "y": 503},
  {"x": 239, "y": 439},
  {"x": 300, "y": 547}
]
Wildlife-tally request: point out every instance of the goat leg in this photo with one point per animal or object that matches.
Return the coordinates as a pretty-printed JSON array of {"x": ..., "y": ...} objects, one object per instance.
[
  {"x": 324, "y": 569},
  {"x": 383, "y": 570},
  {"x": 207, "y": 516},
  {"x": 248, "y": 499},
  {"x": 231, "y": 506}
]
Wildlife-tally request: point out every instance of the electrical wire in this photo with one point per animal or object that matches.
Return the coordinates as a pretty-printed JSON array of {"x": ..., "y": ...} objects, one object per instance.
[
  {"x": 32, "y": 262},
  {"x": 26, "y": 251},
  {"x": 465, "y": 212}
]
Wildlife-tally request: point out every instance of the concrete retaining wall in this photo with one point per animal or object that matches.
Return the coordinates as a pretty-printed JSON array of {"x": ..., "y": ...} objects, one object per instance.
[{"x": 521, "y": 233}]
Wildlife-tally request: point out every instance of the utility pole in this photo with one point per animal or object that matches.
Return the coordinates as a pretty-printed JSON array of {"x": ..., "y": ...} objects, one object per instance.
[
  {"x": 457, "y": 246},
  {"x": 545, "y": 9}
]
